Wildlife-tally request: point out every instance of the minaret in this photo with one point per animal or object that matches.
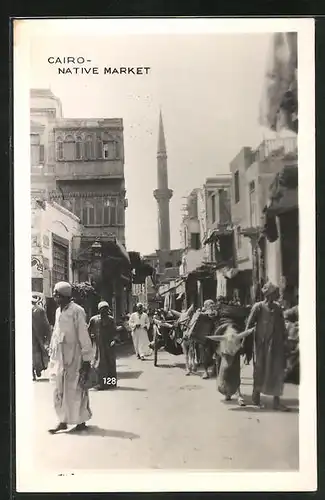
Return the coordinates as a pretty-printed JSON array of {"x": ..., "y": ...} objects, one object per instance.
[{"x": 163, "y": 194}]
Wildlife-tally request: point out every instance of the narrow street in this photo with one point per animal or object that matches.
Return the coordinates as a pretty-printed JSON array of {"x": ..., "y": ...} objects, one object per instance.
[{"x": 160, "y": 419}]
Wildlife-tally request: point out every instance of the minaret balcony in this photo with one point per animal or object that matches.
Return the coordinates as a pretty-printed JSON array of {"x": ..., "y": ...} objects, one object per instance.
[{"x": 163, "y": 194}]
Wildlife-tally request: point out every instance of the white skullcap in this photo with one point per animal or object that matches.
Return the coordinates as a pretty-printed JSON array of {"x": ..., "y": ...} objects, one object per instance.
[
  {"x": 102, "y": 304},
  {"x": 63, "y": 288},
  {"x": 139, "y": 304}
]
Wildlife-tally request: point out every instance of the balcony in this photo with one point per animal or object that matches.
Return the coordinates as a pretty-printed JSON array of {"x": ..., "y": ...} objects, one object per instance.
[
  {"x": 283, "y": 147},
  {"x": 93, "y": 169}
]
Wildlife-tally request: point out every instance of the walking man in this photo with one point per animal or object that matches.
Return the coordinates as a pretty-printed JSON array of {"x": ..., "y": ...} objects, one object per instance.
[
  {"x": 41, "y": 333},
  {"x": 140, "y": 324},
  {"x": 103, "y": 332},
  {"x": 269, "y": 347},
  {"x": 71, "y": 352}
]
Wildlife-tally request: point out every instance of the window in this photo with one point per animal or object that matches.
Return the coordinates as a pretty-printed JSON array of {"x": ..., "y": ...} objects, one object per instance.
[
  {"x": 41, "y": 154},
  {"x": 168, "y": 265},
  {"x": 59, "y": 149},
  {"x": 78, "y": 148},
  {"x": 236, "y": 180},
  {"x": 99, "y": 150},
  {"x": 88, "y": 213},
  {"x": 109, "y": 150},
  {"x": 253, "y": 205},
  {"x": 195, "y": 241},
  {"x": 35, "y": 149},
  {"x": 113, "y": 211},
  {"x": 110, "y": 212},
  {"x": 120, "y": 213},
  {"x": 98, "y": 213},
  {"x": 239, "y": 237},
  {"x": 224, "y": 208},
  {"x": 89, "y": 148},
  {"x": 60, "y": 271},
  {"x": 69, "y": 148},
  {"x": 213, "y": 207},
  {"x": 105, "y": 151}
]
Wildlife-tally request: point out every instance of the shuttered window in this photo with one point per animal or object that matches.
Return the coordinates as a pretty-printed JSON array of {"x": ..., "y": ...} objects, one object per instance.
[{"x": 60, "y": 271}]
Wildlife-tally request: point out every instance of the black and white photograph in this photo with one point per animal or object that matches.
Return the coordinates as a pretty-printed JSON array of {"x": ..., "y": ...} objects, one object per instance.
[{"x": 165, "y": 254}]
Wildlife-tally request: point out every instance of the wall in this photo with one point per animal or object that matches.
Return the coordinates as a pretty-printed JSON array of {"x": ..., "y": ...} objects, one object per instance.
[
  {"x": 53, "y": 219},
  {"x": 239, "y": 210}
]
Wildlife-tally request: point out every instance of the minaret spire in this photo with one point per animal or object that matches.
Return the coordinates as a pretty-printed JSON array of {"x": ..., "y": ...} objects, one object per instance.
[
  {"x": 163, "y": 194},
  {"x": 161, "y": 136}
]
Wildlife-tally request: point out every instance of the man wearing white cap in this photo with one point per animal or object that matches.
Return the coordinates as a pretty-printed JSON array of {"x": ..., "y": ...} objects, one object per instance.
[
  {"x": 102, "y": 330},
  {"x": 71, "y": 352},
  {"x": 269, "y": 347},
  {"x": 139, "y": 323}
]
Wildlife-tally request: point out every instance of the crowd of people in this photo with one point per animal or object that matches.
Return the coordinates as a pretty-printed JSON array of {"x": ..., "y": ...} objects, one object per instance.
[{"x": 81, "y": 355}]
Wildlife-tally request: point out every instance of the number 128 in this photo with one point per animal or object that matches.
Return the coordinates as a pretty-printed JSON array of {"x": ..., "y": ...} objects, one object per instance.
[{"x": 109, "y": 380}]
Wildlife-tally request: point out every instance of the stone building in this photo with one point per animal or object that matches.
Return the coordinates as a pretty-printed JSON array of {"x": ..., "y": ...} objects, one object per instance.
[
  {"x": 252, "y": 175},
  {"x": 79, "y": 164},
  {"x": 53, "y": 229},
  {"x": 207, "y": 237}
]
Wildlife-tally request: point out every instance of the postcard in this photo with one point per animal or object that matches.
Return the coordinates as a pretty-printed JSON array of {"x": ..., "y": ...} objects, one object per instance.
[{"x": 164, "y": 255}]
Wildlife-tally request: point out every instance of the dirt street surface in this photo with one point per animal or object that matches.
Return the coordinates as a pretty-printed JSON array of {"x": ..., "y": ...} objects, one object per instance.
[{"x": 160, "y": 419}]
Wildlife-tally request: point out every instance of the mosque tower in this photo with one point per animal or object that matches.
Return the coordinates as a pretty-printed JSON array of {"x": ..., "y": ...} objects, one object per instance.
[{"x": 162, "y": 194}]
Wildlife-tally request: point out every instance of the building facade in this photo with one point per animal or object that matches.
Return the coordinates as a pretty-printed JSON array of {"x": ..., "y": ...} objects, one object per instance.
[
  {"x": 79, "y": 164},
  {"x": 252, "y": 175},
  {"x": 53, "y": 229},
  {"x": 206, "y": 236}
]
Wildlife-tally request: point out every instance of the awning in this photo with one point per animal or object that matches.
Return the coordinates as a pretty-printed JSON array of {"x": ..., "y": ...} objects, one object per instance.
[
  {"x": 123, "y": 250},
  {"x": 284, "y": 191}
]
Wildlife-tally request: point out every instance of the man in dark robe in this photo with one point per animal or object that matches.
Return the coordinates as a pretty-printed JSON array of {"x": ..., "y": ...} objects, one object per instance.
[
  {"x": 41, "y": 333},
  {"x": 269, "y": 348},
  {"x": 103, "y": 332}
]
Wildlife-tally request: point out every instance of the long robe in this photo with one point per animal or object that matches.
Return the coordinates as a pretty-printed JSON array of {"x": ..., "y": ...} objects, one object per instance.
[
  {"x": 104, "y": 332},
  {"x": 140, "y": 324},
  {"x": 269, "y": 348},
  {"x": 70, "y": 346},
  {"x": 41, "y": 332}
]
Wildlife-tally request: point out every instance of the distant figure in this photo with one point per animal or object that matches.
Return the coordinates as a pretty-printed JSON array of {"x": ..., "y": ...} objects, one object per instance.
[
  {"x": 41, "y": 333},
  {"x": 269, "y": 347},
  {"x": 103, "y": 332},
  {"x": 140, "y": 324},
  {"x": 71, "y": 353}
]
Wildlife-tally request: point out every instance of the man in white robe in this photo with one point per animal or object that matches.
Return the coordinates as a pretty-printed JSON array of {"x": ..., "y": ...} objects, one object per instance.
[
  {"x": 70, "y": 355},
  {"x": 139, "y": 323}
]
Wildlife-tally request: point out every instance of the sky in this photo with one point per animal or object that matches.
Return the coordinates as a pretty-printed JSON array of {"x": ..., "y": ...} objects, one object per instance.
[{"x": 208, "y": 87}]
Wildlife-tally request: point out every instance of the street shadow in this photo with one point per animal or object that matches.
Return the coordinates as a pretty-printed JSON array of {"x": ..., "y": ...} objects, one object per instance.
[
  {"x": 166, "y": 365},
  {"x": 267, "y": 409},
  {"x": 180, "y": 365},
  {"x": 128, "y": 374},
  {"x": 94, "y": 430},
  {"x": 42, "y": 380},
  {"x": 135, "y": 389}
]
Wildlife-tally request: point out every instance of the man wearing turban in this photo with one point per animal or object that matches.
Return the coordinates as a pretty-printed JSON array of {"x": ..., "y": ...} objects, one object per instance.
[
  {"x": 269, "y": 347},
  {"x": 103, "y": 331},
  {"x": 71, "y": 353},
  {"x": 139, "y": 323}
]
